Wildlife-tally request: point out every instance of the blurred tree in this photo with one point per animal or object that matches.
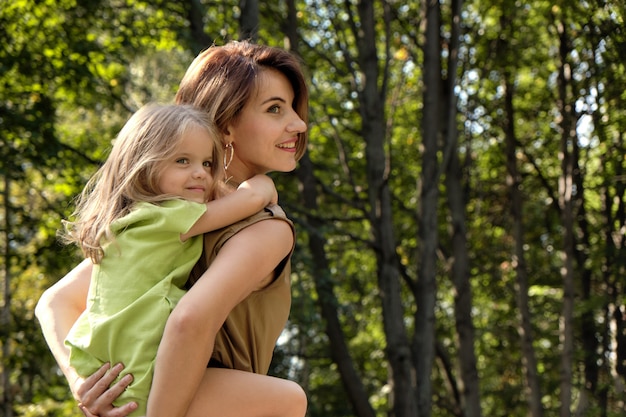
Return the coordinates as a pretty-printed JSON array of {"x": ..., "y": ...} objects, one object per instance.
[
  {"x": 66, "y": 84},
  {"x": 428, "y": 275}
]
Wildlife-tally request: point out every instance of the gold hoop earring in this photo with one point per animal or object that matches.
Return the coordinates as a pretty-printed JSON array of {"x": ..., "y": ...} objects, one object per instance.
[{"x": 228, "y": 156}]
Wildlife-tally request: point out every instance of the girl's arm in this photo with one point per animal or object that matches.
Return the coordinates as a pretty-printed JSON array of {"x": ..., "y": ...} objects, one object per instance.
[
  {"x": 244, "y": 261},
  {"x": 249, "y": 198},
  {"x": 57, "y": 310}
]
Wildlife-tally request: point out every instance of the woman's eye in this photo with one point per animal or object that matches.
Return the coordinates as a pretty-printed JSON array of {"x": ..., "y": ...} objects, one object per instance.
[{"x": 274, "y": 109}]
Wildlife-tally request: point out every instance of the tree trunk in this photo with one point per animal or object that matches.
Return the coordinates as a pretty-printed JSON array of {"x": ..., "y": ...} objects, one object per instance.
[
  {"x": 249, "y": 19},
  {"x": 514, "y": 182},
  {"x": 587, "y": 325},
  {"x": 566, "y": 204},
  {"x": 613, "y": 208},
  {"x": 291, "y": 29},
  {"x": 470, "y": 389},
  {"x": 195, "y": 17},
  {"x": 322, "y": 276},
  {"x": 470, "y": 386},
  {"x": 373, "y": 130},
  {"x": 326, "y": 297},
  {"x": 428, "y": 236},
  {"x": 5, "y": 314}
]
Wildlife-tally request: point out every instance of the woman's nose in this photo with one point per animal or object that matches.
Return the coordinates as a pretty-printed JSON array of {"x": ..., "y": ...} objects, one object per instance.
[{"x": 297, "y": 125}]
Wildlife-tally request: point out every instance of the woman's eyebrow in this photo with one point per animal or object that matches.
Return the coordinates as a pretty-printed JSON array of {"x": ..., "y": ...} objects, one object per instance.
[{"x": 274, "y": 99}]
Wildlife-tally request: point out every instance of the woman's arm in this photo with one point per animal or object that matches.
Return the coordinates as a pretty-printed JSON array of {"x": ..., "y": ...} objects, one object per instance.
[
  {"x": 57, "y": 310},
  {"x": 244, "y": 261}
]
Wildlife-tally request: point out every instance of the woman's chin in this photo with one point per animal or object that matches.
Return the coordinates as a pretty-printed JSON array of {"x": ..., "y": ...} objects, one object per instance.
[{"x": 287, "y": 167}]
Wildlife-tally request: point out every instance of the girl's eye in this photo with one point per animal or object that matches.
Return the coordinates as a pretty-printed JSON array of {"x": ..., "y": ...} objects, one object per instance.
[
  {"x": 182, "y": 161},
  {"x": 207, "y": 164}
]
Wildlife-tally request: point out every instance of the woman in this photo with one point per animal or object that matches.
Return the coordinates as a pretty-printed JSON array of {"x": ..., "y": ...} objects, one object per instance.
[{"x": 234, "y": 312}]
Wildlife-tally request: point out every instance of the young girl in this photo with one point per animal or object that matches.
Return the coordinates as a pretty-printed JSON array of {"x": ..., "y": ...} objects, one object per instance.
[{"x": 137, "y": 220}]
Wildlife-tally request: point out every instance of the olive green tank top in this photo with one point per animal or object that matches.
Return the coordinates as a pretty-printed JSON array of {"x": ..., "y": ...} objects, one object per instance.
[{"x": 247, "y": 339}]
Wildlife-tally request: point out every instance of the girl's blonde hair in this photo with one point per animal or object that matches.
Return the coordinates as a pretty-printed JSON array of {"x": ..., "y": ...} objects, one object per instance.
[{"x": 131, "y": 173}]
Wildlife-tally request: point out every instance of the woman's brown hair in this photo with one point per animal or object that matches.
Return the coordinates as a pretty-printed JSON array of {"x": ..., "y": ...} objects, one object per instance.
[{"x": 222, "y": 79}]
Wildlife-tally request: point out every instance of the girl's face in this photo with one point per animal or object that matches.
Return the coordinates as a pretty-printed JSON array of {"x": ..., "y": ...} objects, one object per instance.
[
  {"x": 187, "y": 172},
  {"x": 265, "y": 134}
]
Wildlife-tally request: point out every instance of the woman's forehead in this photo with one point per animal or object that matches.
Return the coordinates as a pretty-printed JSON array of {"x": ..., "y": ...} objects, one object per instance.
[{"x": 271, "y": 82}]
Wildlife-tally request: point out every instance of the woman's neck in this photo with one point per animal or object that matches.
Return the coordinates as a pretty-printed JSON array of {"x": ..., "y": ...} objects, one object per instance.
[
  {"x": 237, "y": 173},
  {"x": 232, "y": 182}
]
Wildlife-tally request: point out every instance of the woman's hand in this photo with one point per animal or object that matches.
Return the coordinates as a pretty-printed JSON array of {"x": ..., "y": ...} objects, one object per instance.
[{"x": 96, "y": 394}]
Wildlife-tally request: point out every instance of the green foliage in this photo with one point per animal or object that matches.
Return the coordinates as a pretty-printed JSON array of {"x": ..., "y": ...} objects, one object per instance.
[
  {"x": 71, "y": 73},
  {"x": 70, "y": 76}
]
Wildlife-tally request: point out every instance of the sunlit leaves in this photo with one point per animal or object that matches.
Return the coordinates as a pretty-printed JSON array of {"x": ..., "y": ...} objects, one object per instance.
[{"x": 72, "y": 72}]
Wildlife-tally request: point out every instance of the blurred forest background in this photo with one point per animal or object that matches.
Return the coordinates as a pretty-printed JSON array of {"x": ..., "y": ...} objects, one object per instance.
[{"x": 460, "y": 211}]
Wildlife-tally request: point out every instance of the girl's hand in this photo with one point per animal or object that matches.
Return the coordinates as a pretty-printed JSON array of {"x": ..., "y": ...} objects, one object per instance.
[
  {"x": 262, "y": 185},
  {"x": 277, "y": 210},
  {"x": 96, "y": 394}
]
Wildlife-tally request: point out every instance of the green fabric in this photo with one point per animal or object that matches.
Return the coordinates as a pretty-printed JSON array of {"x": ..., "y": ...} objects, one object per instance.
[{"x": 133, "y": 291}]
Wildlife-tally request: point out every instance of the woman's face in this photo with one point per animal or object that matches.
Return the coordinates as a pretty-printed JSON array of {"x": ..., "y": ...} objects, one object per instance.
[{"x": 265, "y": 134}]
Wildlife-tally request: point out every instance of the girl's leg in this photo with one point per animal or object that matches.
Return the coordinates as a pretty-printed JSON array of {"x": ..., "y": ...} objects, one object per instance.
[{"x": 233, "y": 393}]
